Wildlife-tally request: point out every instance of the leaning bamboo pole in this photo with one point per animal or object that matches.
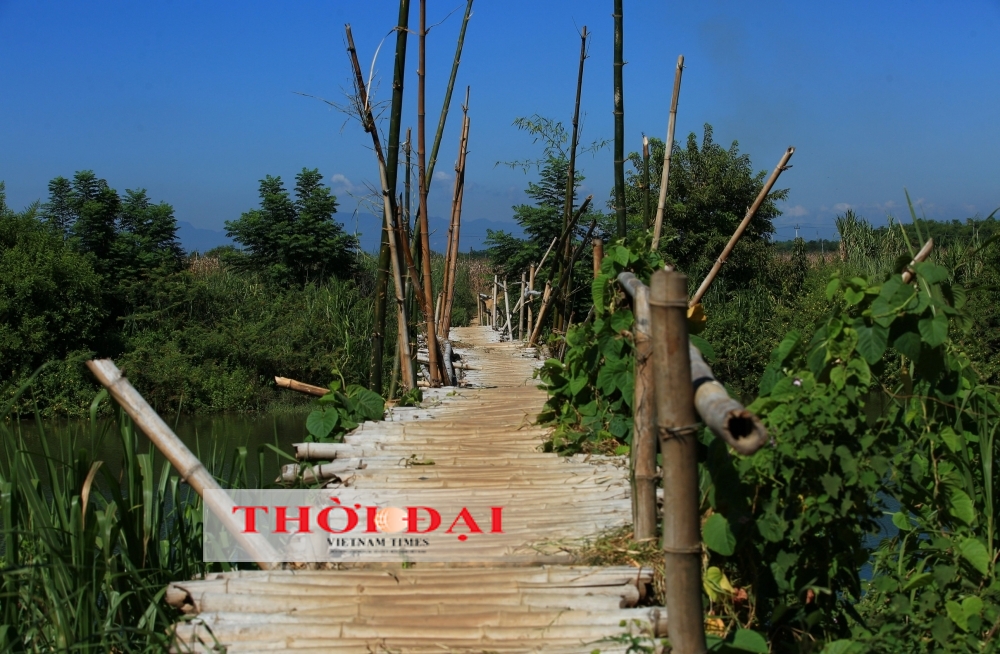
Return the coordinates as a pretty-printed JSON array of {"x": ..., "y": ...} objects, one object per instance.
[
  {"x": 668, "y": 149},
  {"x": 782, "y": 165},
  {"x": 520, "y": 318},
  {"x": 506, "y": 306},
  {"x": 382, "y": 276},
  {"x": 425, "y": 245},
  {"x": 389, "y": 208},
  {"x": 546, "y": 297},
  {"x": 531, "y": 288},
  {"x": 619, "y": 120},
  {"x": 449, "y": 289},
  {"x": 446, "y": 276},
  {"x": 301, "y": 387},
  {"x": 445, "y": 105},
  {"x": 676, "y": 424},
  {"x": 191, "y": 470},
  {"x": 574, "y": 140}
]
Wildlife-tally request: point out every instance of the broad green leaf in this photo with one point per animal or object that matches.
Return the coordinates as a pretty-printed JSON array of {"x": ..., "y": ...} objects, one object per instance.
[
  {"x": 831, "y": 288},
  {"x": 872, "y": 342},
  {"x": 321, "y": 422},
  {"x": 957, "y": 615},
  {"x": 853, "y": 297},
  {"x": 750, "y": 641},
  {"x": 598, "y": 288},
  {"x": 780, "y": 354},
  {"x": 931, "y": 272},
  {"x": 369, "y": 404},
  {"x": 918, "y": 580},
  {"x": 901, "y": 521},
  {"x": 971, "y": 606},
  {"x": 975, "y": 552},
  {"x": 621, "y": 320},
  {"x": 934, "y": 331},
  {"x": 843, "y": 646},
  {"x": 952, "y": 440},
  {"x": 908, "y": 344},
  {"x": 960, "y": 506},
  {"x": 838, "y": 376},
  {"x": 715, "y": 583},
  {"x": 703, "y": 346},
  {"x": 718, "y": 535}
]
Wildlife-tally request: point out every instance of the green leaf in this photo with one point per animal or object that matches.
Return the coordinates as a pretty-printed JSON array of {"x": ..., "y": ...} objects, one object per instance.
[
  {"x": 975, "y": 552},
  {"x": 598, "y": 289},
  {"x": 960, "y": 506},
  {"x": 750, "y": 641},
  {"x": 843, "y": 646},
  {"x": 703, "y": 346},
  {"x": 901, "y": 521},
  {"x": 934, "y": 331},
  {"x": 952, "y": 440},
  {"x": 918, "y": 580},
  {"x": 621, "y": 320},
  {"x": 853, "y": 297},
  {"x": 831, "y": 288},
  {"x": 908, "y": 344},
  {"x": 369, "y": 405},
  {"x": 872, "y": 342},
  {"x": 957, "y": 615},
  {"x": 931, "y": 272},
  {"x": 321, "y": 422},
  {"x": 718, "y": 535},
  {"x": 780, "y": 354}
]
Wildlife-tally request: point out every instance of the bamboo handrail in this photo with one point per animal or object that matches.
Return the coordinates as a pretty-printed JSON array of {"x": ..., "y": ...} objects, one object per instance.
[
  {"x": 782, "y": 165},
  {"x": 191, "y": 470}
]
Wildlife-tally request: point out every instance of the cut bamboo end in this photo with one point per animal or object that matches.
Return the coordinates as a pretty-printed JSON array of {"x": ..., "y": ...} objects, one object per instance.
[{"x": 301, "y": 387}]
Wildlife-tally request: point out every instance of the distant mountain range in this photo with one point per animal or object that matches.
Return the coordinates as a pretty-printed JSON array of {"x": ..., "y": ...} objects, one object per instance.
[{"x": 473, "y": 233}]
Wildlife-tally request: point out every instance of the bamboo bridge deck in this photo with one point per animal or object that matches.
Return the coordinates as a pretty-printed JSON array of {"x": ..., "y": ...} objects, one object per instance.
[{"x": 478, "y": 436}]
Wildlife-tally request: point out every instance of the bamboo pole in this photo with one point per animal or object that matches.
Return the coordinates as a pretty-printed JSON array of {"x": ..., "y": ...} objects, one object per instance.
[
  {"x": 619, "y": 121},
  {"x": 389, "y": 208},
  {"x": 546, "y": 255},
  {"x": 546, "y": 298},
  {"x": 782, "y": 165},
  {"x": 506, "y": 306},
  {"x": 531, "y": 288},
  {"x": 574, "y": 142},
  {"x": 667, "y": 155},
  {"x": 495, "y": 279},
  {"x": 520, "y": 318},
  {"x": 677, "y": 428},
  {"x": 643, "y": 451},
  {"x": 446, "y": 104},
  {"x": 598, "y": 256},
  {"x": 446, "y": 275},
  {"x": 917, "y": 258},
  {"x": 645, "y": 182},
  {"x": 459, "y": 175},
  {"x": 425, "y": 246},
  {"x": 569, "y": 270},
  {"x": 308, "y": 389},
  {"x": 191, "y": 470}
]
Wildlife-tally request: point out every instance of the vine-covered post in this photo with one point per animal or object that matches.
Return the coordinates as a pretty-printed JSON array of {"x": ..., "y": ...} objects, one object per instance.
[{"x": 676, "y": 424}]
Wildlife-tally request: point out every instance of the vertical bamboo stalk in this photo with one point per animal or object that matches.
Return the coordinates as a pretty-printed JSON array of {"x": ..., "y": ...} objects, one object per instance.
[
  {"x": 506, "y": 308},
  {"x": 530, "y": 298},
  {"x": 782, "y": 165},
  {"x": 644, "y": 431},
  {"x": 667, "y": 154},
  {"x": 645, "y": 182},
  {"x": 520, "y": 319},
  {"x": 571, "y": 170},
  {"x": 598, "y": 256},
  {"x": 676, "y": 424},
  {"x": 463, "y": 150},
  {"x": 425, "y": 246},
  {"x": 546, "y": 300},
  {"x": 495, "y": 280},
  {"x": 619, "y": 121}
]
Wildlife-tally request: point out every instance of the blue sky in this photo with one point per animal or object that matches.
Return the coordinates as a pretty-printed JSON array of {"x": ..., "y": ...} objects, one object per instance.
[{"x": 194, "y": 100}]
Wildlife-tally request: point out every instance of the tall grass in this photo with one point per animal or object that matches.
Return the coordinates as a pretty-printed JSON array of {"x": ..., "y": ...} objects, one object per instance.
[{"x": 87, "y": 547}]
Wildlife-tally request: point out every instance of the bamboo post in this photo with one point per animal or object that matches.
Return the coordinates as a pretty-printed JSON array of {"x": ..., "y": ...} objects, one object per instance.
[
  {"x": 598, "y": 256},
  {"x": 425, "y": 245},
  {"x": 546, "y": 299},
  {"x": 506, "y": 307},
  {"x": 643, "y": 451},
  {"x": 571, "y": 169},
  {"x": 520, "y": 318},
  {"x": 782, "y": 165},
  {"x": 389, "y": 209},
  {"x": 677, "y": 427},
  {"x": 569, "y": 270},
  {"x": 531, "y": 288},
  {"x": 460, "y": 179},
  {"x": 191, "y": 470},
  {"x": 619, "y": 120},
  {"x": 645, "y": 182},
  {"x": 495, "y": 280},
  {"x": 667, "y": 154}
]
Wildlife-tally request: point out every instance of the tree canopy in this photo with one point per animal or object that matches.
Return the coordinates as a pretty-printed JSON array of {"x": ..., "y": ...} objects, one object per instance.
[{"x": 293, "y": 242}]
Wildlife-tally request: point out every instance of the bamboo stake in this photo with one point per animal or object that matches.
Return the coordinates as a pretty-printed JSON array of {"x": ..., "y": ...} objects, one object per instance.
[
  {"x": 425, "y": 245},
  {"x": 495, "y": 278},
  {"x": 619, "y": 121},
  {"x": 598, "y": 256},
  {"x": 546, "y": 298},
  {"x": 643, "y": 451},
  {"x": 667, "y": 155},
  {"x": 782, "y": 165},
  {"x": 546, "y": 255},
  {"x": 531, "y": 288},
  {"x": 569, "y": 269},
  {"x": 191, "y": 470},
  {"x": 459, "y": 175},
  {"x": 645, "y": 182},
  {"x": 506, "y": 306},
  {"x": 574, "y": 142},
  {"x": 920, "y": 256},
  {"x": 448, "y": 91},
  {"x": 520, "y": 318},
  {"x": 388, "y": 202},
  {"x": 677, "y": 428},
  {"x": 446, "y": 276}
]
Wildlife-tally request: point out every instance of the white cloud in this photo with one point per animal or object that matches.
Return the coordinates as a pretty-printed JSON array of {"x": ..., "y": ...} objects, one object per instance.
[
  {"x": 441, "y": 176},
  {"x": 842, "y": 206},
  {"x": 796, "y": 211},
  {"x": 340, "y": 184}
]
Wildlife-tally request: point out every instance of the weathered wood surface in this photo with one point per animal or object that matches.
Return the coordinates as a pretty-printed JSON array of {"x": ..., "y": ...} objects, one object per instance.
[{"x": 476, "y": 437}]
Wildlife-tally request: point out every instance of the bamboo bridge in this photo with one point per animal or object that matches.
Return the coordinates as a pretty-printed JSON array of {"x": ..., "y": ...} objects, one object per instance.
[{"x": 478, "y": 436}]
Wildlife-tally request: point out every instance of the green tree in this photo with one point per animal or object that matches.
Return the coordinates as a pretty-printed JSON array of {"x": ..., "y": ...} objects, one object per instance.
[{"x": 293, "y": 242}]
